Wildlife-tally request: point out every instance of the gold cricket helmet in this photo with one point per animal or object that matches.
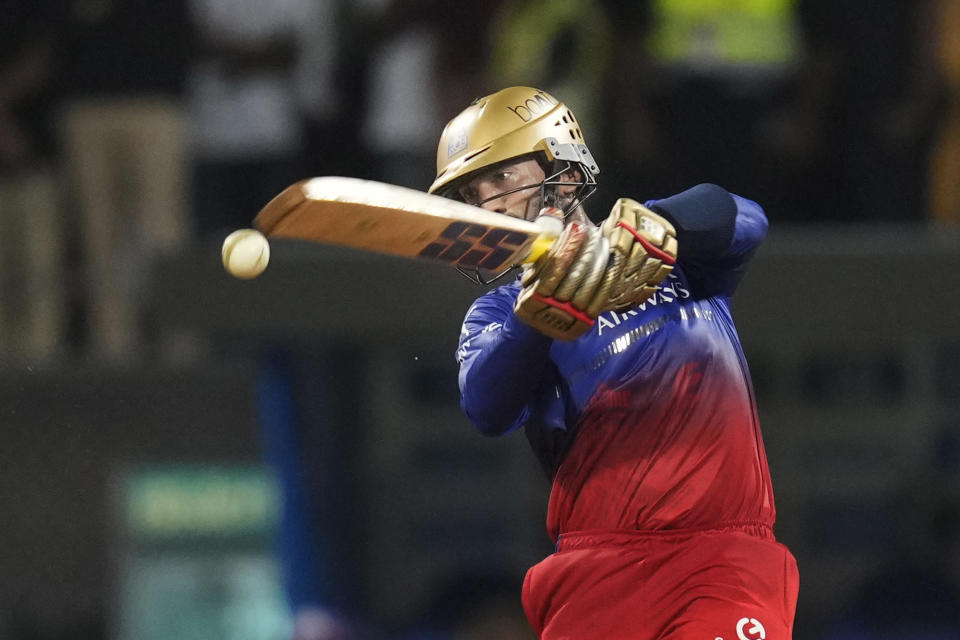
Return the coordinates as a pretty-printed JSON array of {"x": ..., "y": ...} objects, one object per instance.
[{"x": 512, "y": 122}]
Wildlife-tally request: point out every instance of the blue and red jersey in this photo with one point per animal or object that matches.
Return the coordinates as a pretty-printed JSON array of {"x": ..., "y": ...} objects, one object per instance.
[{"x": 647, "y": 422}]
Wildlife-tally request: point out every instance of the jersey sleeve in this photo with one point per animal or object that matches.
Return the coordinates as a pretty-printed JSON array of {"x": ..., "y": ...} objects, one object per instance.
[
  {"x": 717, "y": 233},
  {"x": 503, "y": 363}
]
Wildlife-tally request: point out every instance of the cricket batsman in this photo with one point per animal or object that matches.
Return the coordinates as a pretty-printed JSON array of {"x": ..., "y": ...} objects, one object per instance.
[{"x": 617, "y": 354}]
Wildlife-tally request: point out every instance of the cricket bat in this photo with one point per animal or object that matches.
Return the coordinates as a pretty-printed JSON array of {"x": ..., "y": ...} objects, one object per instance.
[{"x": 398, "y": 221}]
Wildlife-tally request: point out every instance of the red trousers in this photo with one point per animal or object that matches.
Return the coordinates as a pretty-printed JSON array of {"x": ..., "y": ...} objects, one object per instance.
[{"x": 735, "y": 583}]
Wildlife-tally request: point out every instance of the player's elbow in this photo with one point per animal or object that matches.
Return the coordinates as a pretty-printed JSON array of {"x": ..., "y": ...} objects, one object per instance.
[
  {"x": 481, "y": 405},
  {"x": 485, "y": 422},
  {"x": 751, "y": 219}
]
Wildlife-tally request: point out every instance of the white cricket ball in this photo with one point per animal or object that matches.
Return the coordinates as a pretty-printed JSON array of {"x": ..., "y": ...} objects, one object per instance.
[{"x": 245, "y": 253}]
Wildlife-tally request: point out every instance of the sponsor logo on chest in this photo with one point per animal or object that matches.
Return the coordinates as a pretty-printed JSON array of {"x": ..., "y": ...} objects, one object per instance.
[{"x": 671, "y": 290}]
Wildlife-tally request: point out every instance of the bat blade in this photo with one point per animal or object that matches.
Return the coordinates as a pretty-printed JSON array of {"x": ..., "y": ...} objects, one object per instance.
[{"x": 394, "y": 220}]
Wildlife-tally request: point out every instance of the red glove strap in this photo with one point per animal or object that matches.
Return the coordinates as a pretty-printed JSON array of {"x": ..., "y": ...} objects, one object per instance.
[
  {"x": 566, "y": 307},
  {"x": 651, "y": 249}
]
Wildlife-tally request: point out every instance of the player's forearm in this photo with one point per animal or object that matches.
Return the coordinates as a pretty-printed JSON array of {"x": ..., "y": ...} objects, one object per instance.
[{"x": 499, "y": 374}]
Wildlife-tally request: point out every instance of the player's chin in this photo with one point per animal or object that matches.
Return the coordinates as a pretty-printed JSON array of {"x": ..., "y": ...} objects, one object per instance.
[{"x": 532, "y": 211}]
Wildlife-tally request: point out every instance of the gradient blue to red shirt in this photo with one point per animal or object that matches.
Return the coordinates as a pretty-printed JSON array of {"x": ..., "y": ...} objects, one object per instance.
[{"x": 648, "y": 422}]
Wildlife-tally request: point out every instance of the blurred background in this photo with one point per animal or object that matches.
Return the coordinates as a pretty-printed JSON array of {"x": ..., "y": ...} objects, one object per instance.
[{"x": 187, "y": 456}]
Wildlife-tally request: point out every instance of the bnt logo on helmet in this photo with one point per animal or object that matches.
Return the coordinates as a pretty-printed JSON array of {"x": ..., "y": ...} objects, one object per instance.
[{"x": 533, "y": 107}]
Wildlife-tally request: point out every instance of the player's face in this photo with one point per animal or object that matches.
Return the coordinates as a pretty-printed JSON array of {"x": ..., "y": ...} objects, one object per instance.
[{"x": 519, "y": 184}]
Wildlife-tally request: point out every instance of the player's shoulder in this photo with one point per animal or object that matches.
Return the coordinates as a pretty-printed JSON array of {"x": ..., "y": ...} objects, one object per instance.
[
  {"x": 497, "y": 300},
  {"x": 508, "y": 290}
]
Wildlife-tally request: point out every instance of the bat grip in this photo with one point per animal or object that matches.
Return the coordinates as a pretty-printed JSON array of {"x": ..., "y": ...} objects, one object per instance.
[
  {"x": 552, "y": 226},
  {"x": 540, "y": 246}
]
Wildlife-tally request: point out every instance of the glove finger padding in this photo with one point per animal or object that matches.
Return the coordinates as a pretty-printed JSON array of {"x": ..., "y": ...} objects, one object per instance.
[
  {"x": 559, "y": 286},
  {"x": 550, "y": 270},
  {"x": 589, "y": 270},
  {"x": 584, "y": 274},
  {"x": 647, "y": 243}
]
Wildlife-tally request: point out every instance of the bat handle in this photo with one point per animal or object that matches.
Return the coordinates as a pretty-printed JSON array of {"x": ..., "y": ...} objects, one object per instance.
[
  {"x": 540, "y": 246},
  {"x": 552, "y": 226}
]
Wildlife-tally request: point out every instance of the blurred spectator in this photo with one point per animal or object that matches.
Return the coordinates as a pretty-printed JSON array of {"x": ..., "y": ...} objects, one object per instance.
[
  {"x": 628, "y": 130},
  {"x": 466, "y": 38},
  {"x": 423, "y": 67},
  {"x": 246, "y": 124},
  {"x": 402, "y": 90},
  {"x": 33, "y": 294},
  {"x": 868, "y": 108},
  {"x": 945, "y": 165},
  {"x": 329, "y": 92},
  {"x": 703, "y": 80},
  {"x": 120, "y": 75},
  {"x": 560, "y": 46},
  {"x": 26, "y": 62}
]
